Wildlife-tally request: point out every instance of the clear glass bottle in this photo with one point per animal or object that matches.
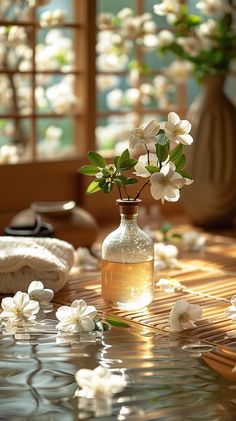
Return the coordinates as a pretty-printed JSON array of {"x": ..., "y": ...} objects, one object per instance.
[{"x": 127, "y": 262}]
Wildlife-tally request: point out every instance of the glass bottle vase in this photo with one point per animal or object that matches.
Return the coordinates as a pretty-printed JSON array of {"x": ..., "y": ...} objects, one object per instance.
[{"x": 127, "y": 262}]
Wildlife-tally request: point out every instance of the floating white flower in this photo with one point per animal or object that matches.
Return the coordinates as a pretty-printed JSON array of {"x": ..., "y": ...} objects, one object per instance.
[
  {"x": 79, "y": 317},
  {"x": 177, "y": 130},
  {"x": 210, "y": 7},
  {"x": 231, "y": 311},
  {"x": 19, "y": 308},
  {"x": 140, "y": 167},
  {"x": 38, "y": 293},
  {"x": 98, "y": 383},
  {"x": 169, "y": 285},
  {"x": 183, "y": 315},
  {"x": 144, "y": 135},
  {"x": 165, "y": 184},
  {"x": 84, "y": 259},
  {"x": 193, "y": 241},
  {"x": 166, "y": 7},
  {"x": 165, "y": 256}
]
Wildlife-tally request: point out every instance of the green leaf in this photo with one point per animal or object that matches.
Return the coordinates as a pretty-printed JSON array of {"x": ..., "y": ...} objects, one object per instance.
[
  {"x": 125, "y": 156},
  {"x": 152, "y": 169},
  {"x": 93, "y": 187},
  {"x": 96, "y": 159},
  {"x": 162, "y": 140},
  {"x": 185, "y": 174},
  {"x": 116, "y": 161},
  {"x": 120, "y": 180},
  {"x": 165, "y": 228},
  {"x": 176, "y": 152},
  {"x": 176, "y": 236},
  {"x": 89, "y": 170},
  {"x": 128, "y": 164},
  {"x": 162, "y": 151},
  {"x": 116, "y": 322},
  {"x": 180, "y": 162},
  {"x": 131, "y": 180}
]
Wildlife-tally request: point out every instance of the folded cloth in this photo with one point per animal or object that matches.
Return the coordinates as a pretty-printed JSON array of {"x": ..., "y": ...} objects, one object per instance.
[{"x": 23, "y": 260}]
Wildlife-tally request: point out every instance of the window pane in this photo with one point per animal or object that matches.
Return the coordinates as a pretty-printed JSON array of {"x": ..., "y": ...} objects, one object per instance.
[
  {"x": 55, "y": 5},
  {"x": 14, "y": 10},
  {"x": 55, "y": 138},
  {"x": 55, "y": 94},
  {"x": 15, "y": 52},
  {"x": 14, "y": 140},
  {"x": 15, "y": 94},
  {"x": 54, "y": 50}
]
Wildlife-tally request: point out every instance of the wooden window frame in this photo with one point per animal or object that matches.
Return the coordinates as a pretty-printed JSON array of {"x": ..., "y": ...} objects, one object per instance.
[{"x": 23, "y": 183}]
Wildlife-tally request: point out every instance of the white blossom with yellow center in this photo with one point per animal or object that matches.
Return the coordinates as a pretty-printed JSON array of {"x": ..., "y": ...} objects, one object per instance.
[
  {"x": 19, "y": 308},
  {"x": 144, "y": 135},
  {"x": 177, "y": 130},
  {"x": 184, "y": 315}
]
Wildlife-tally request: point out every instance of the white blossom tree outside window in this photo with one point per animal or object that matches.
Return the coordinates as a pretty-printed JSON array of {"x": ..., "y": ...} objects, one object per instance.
[
  {"x": 39, "y": 101},
  {"x": 139, "y": 77}
]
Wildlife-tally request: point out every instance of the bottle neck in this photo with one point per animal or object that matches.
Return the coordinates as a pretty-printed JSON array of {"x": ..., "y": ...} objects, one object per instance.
[{"x": 128, "y": 219}]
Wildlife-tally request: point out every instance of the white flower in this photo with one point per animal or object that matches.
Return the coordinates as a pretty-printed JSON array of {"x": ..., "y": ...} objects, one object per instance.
[
  {"x": 125, "y": 13},
  {"x": 114, "y": 99},
  {"x": 193, "y": 241},
  {"x": 165, "y": 256},
  {"x": 76, "y": 318},
  {"x": 84, "y": 259},
  {"x": 144, "y": 136},
  {"x": 38, "y": 293},
  {"x": 179, "y": 70},
  {"x": 231, "y": 311},
  {"x": 208, "y": 28},
  {"x": 166, "y": 7},
  {"x": 183, "y": 315},
  {"x": 54, "y": 17},
  {"x": 165, "y": 184},
  {"x": 140, "y": 169},
  {"x": 210, "y": 7},
  {"x": 9, "y": 154},
  {"x": 178, "y": 130},
  {"x": 169, "y": 285},
  {"x": 19, "y": 307},
  {"x": 99, "y": 383},
  {"x": 165, "y": 38},
  {"x": 192, "y": 45}
]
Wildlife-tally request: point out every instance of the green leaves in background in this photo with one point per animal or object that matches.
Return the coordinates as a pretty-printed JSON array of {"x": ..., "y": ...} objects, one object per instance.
[
  {"x": 89, "y": 170},
  {"x": 178, "y": 158}
]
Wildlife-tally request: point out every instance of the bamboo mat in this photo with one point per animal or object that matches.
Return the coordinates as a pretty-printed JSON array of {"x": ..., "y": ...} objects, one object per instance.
[{"x": 209, "y": 279}]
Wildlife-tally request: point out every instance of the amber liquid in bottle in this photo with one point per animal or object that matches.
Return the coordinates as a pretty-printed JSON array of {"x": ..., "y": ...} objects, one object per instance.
[{"x": 127, "y": 286}]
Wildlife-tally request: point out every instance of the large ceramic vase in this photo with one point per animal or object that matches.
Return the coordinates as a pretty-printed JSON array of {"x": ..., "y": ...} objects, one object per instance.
[{"x": 211, "y": 200}]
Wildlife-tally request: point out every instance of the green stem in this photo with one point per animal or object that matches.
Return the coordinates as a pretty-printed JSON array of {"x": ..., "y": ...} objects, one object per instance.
[
  {"x": 119, "y": 192},
  {"x": 148, "y": 152},
  {"x": 127, "y": 194},
  {"x": 145, "y": 184}
]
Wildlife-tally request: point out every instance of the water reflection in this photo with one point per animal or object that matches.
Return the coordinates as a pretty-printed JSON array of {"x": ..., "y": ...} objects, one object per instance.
[{"x": 165, "y": 382}]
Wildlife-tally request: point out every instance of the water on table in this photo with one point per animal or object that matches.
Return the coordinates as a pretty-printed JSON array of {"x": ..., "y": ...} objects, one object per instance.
[{"x": 165, "y": 381}]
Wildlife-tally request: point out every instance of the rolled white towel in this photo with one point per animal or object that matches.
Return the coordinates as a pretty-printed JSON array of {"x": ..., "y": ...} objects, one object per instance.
[{"x": 23, "y": 260}]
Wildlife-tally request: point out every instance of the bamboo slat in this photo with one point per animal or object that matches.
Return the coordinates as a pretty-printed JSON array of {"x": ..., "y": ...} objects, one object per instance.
[{"x": 209, "y": 279}]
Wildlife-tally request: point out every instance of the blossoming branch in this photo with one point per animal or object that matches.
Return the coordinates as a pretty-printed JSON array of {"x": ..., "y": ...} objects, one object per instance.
[{"x": 163, "y": 164}]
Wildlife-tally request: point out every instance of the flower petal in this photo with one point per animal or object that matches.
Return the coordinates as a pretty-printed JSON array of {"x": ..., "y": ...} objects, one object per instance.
[
  {"x": 195, "y": 311},
  {"x": 185, "y": 125},
  {"x": 34, "y": 286},
  {"x": 173, "y": 118},
  {"x": 180, "y": 307},
  {"x": 185, "y": 139},
  {"x": 152, "y": 128}
]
